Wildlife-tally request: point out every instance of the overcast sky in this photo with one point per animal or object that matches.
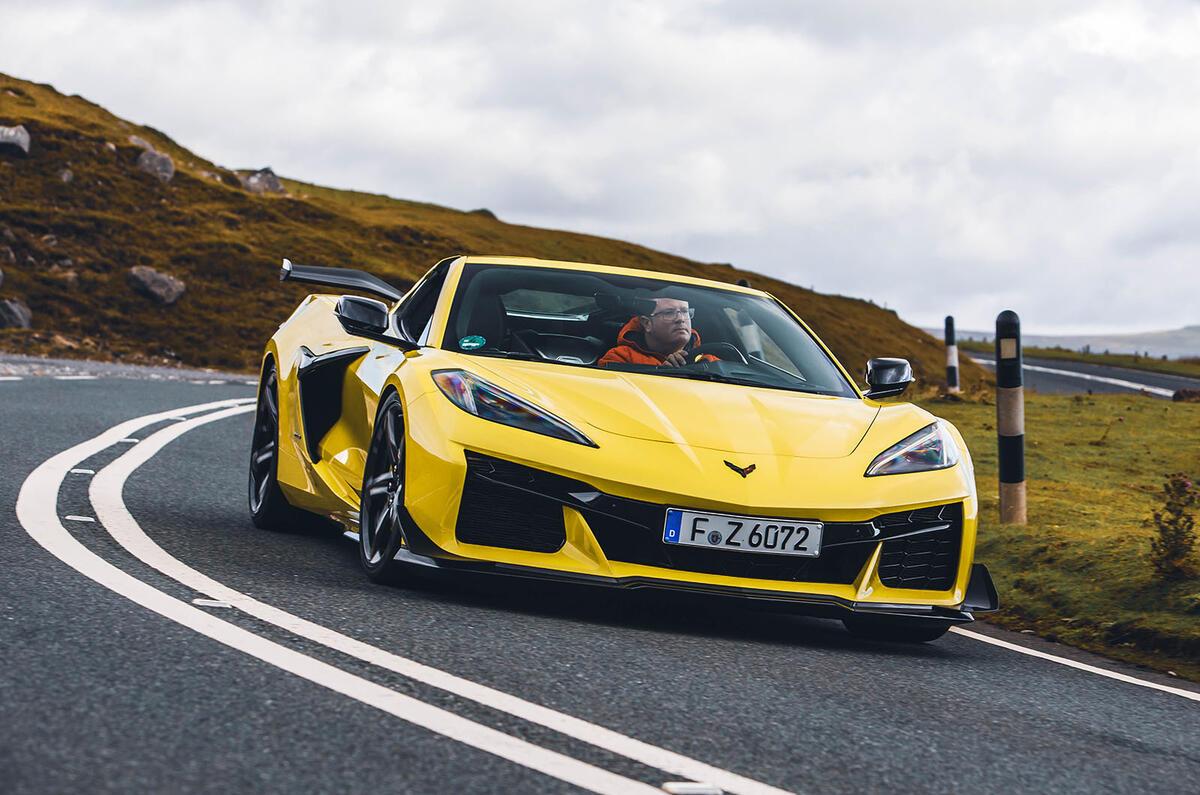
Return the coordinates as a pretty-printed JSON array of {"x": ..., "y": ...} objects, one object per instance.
[{"x": 943, "y": 157}]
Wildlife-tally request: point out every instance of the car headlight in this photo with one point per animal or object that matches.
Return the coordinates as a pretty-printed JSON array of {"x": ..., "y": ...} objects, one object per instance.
[
  {"x": 487, "y": 401},
  {"x": 932, "y": 447}
]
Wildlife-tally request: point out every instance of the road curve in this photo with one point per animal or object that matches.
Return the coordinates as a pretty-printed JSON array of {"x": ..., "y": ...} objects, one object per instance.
[
  {"x": 1057, "y": 377},
  {"x": 98, "y": 692}
]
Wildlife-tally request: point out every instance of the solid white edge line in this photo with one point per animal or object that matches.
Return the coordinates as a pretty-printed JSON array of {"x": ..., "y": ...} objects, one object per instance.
[
  {"x": 1153, "y": 390},
  {"x": 1133, "y": 680},
  {"x": 35, "y": 509},
  {"x": 106, "y": 496}
]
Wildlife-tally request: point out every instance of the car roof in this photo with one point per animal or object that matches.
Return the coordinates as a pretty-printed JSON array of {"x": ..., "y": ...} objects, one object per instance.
[{"x": 533, "y": 262}]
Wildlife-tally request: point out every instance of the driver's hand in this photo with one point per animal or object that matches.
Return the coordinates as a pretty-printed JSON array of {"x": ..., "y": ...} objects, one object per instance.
[{"x": 676, "y": 359}]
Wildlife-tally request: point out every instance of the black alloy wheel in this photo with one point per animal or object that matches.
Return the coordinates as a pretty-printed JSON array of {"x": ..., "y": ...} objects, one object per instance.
[
  {"x": 380, "y": 534},
  {"x": 269, "y": 509},
  {"x": 896, "y": 630}
]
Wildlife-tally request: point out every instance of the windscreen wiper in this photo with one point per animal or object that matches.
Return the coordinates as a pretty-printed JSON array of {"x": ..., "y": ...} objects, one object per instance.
[{"x": 528, "y": 357}]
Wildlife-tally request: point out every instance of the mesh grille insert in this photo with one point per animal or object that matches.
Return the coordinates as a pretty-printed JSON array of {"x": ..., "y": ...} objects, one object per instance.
[
  {"x": 928, "y": 561},
  {"x": 497, "y": 511}
]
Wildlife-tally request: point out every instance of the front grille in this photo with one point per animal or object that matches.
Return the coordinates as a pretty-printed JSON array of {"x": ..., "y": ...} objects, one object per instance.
[
  {"x": 518, "y": 507},
  {"x": 928, "y": 561},
  {"x": 500, "y": 508}
]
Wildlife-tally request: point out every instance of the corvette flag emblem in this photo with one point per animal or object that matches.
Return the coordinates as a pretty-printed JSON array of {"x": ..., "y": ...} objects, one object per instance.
[{"x": 743, "y": 471}]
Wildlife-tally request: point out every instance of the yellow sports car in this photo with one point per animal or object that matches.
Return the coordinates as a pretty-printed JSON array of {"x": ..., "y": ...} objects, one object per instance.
[{"x": 614, "y": 427}]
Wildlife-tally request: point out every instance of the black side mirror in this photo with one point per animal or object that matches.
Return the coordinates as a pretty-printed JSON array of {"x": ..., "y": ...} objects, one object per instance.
[
  {"x": 363, "y": 317},
  {"x": 888, "y": 377}
]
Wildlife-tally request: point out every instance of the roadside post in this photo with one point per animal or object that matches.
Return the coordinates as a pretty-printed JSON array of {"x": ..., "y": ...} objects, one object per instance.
[
  {"x": 951, "y": 356},
  {"x": 1010, "y": 417}
]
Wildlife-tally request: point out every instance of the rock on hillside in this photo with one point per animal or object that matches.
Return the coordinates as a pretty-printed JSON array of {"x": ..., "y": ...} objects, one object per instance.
[
  {"x": 14, "y": 140},
  {"x": 161, "y": 288},
  {"x": 225, "y": 242}
]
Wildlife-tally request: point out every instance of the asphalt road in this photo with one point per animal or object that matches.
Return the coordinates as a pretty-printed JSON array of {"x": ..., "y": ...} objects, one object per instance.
[
  {"x": 98, "y": 693},
  {"x": 1056, "y": 377}
]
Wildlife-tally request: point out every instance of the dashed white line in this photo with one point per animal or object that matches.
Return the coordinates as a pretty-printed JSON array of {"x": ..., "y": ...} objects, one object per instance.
[
  {"x": 79, "y": 518},
  {"x": 105, "y": 493},
  {"x": 11, "y": 378},
  {"x": 83, "y": 471},
  {"x": 210, "y": 603},
  {"x": 35, "y": 511},
  {"x": 75, "y": 377}
]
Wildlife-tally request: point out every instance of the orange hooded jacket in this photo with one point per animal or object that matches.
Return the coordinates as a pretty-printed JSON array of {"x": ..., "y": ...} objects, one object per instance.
[{"x": 631, "y": 347}]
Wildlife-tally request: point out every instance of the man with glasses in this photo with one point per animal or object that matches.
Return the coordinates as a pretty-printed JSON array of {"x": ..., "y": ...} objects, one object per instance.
[{"x": 661, "y": 338}]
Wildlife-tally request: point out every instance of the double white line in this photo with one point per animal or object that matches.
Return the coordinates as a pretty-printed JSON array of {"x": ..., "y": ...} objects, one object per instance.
[{"x": 37, "y": 512}]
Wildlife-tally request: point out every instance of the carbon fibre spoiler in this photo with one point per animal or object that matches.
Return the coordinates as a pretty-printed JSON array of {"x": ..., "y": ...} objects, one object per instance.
[{"x": 339, "y": 277}]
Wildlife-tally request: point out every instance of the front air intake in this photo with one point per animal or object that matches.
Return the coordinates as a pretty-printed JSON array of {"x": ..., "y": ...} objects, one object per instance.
[{"x": 500, "y": 507}]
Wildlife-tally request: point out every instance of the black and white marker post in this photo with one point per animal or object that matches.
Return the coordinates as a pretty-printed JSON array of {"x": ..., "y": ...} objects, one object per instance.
[
  {"x": 951, "y": 356},
  {"x": 1010, "y": 417}
]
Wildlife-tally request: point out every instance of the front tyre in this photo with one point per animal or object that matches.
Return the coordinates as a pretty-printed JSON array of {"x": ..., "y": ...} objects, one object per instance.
[
  {"x": 380, "y": 534},
  {"x": 269, "y": 509},
  {"x": 895, "y": 630}
]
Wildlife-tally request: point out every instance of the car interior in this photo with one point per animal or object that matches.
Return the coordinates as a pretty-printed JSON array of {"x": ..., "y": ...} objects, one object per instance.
[{"x": 574, "y": 317}]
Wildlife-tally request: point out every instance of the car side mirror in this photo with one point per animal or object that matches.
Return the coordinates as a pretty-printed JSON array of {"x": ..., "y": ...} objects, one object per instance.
[
  {"x": 888, "y": 377},
  {"x": 362, "y": 317}
]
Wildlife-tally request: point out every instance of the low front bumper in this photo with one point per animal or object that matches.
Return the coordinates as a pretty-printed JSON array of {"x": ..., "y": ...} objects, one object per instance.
[{"x": 981, "y": 596}]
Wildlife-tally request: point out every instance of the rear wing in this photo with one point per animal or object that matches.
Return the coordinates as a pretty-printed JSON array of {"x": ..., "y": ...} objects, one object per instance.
[{"x": 339, "y": 277}]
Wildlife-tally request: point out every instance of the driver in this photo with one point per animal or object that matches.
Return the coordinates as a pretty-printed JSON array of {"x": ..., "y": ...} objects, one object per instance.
[{"x": 663, "y": 338}]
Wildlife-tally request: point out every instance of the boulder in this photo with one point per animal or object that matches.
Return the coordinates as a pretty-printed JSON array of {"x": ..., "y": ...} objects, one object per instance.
[
  {"x": 14, "y": 140},
  {"x": 66, "y": 175},
  {"x": 9, "y": 255},
  {"x": 262, "y": 181},
  {"x": 1186, "y": 396},
  {"x": 485, "y": 212},
  {"x": 156, "y": 163},
  {"x": 159, "y": 287},
  {"x": 8, "y": 235},
  {"x": 1, "y": 278},
  {"x": 14, "y": 314}
]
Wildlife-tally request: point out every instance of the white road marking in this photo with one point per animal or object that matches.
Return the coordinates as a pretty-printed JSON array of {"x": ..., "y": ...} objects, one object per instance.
[
  {"x": 210, "y": 603},
  {"x": 83, "y": 471},
  {"x": 133, "y": 441},
  {"x": 106, "y": 496},
  {"x": 79, "y": 518},
  {"x": 217, "y": 381},
  {"x": 1153, "y": 390},
  {"x": 10, "y": 378},
  {"x": 36, "y": 511},
  {"x": 1133, "y": 680},
  {"x": 75, "y": 377}
]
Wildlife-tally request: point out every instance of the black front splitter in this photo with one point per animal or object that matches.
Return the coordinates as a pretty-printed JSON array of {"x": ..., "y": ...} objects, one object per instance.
[{"x": 801, "y": 604}]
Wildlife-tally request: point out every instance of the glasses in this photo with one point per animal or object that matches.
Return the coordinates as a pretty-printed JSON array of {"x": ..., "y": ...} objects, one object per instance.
[{"x": 671, "y": 314}]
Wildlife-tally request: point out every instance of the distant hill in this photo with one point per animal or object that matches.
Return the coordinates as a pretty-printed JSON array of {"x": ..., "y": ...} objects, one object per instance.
[
  {"x": 1182, "y": 343},
  {"x": 77, "y": 213}
]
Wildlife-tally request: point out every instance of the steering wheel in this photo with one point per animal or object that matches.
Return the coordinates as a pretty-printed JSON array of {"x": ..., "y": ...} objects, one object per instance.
[{"x": 717, "y": 349}]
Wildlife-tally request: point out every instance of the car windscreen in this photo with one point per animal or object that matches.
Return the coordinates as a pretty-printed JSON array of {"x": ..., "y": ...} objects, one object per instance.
[{"x": 636, "y": 324}]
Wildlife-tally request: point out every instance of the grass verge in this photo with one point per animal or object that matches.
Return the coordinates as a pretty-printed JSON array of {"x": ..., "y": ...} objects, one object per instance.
[{"x": 1079, "y": 572}]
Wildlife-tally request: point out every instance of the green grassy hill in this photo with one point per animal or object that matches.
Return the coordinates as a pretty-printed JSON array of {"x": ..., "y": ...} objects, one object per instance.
[{"x": 78, "y": 214}]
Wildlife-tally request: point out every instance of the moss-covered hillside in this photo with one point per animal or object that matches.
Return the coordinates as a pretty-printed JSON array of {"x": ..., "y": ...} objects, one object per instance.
[{"x": 77, "y": 213}]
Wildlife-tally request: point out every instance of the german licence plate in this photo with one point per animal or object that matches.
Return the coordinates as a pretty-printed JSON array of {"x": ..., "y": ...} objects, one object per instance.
[{"x": 742, "y": 533}]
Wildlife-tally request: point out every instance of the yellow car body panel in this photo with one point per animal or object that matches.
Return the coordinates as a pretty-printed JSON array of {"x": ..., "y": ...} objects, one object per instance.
[{"x": 658, "y": 440}]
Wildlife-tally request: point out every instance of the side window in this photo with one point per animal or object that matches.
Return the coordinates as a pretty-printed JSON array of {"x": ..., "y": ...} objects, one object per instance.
[{"x": 415, "y": 315}]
